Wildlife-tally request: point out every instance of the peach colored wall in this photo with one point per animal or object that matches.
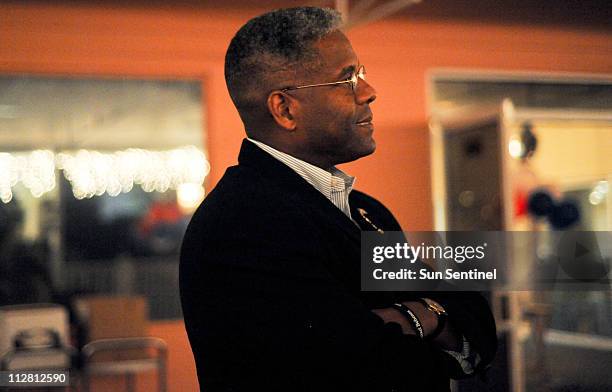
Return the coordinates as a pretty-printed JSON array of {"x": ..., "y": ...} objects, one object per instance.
[
  {"x": 398, "y": 54},
  {"x": 181, "y": 367},
  {"x": 190, "y": 43}
]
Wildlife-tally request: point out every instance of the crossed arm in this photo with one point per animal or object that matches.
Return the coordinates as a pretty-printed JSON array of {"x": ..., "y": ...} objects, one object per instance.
[
  {"x": 260, "y": 298},
  {"x": 448, "y": 339}
]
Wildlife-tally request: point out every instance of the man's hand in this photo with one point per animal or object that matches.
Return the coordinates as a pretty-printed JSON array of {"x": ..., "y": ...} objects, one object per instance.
[
  {"x": 447, "y": 339},
  {"x": 392, "y": 315}
]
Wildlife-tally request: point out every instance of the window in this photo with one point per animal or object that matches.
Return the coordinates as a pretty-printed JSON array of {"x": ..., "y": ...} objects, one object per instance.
[{"x": 98, "y": 178}]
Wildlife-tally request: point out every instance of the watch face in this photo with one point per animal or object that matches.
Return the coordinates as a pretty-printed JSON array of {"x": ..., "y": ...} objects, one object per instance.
[
  {"x": 434, "y": 306},
  {"x": 439, "y": 310}
]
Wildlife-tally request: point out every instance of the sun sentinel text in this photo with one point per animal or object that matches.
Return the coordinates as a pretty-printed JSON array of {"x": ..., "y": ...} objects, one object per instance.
[{"x": 424, "y": 274}]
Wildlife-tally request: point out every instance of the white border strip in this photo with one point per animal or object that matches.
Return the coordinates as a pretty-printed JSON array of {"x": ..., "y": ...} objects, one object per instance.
[{"x": 581, "y": 340}]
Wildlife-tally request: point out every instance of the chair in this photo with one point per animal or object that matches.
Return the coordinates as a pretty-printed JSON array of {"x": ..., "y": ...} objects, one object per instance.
[
  {"x": 157, "y": 361},
  {"x": 116, "y": 343},
  {"x": 34, "y": 336}
]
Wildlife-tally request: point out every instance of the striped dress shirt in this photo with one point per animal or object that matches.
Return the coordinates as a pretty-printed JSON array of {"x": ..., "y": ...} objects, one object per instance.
[{"x": 335, "y": 185}]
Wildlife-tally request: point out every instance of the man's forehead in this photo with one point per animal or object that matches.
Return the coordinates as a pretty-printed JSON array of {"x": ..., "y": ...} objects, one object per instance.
[{"x": 336, "y": 53}]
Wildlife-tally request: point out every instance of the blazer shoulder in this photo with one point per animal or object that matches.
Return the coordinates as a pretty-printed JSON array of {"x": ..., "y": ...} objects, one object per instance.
[{"x": 242, "y": 195}]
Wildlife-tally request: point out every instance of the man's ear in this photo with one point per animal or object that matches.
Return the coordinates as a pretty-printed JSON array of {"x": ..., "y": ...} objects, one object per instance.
[{"x": 282, "y": 107}]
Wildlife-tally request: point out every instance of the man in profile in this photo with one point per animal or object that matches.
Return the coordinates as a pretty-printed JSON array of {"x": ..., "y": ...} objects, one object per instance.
[{"x": 270, "y": 264}]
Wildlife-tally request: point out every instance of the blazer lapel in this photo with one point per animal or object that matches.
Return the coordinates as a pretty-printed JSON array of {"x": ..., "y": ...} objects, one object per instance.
[{"x": 296, "y": 187}]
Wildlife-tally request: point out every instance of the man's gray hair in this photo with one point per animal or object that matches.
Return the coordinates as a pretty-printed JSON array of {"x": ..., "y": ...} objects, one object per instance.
[{"x": 274, "y": 41}]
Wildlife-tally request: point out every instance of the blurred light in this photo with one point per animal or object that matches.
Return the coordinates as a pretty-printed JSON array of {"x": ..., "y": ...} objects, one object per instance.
[
  {"x": 189, "y": 196},
  {"x": 5, "y": 196},
  {"x": 599, "y": 193},
  {"x": 92, "y": 173},
  {"x": 515, "y": 148},
  {"x": 596, "y": 198},
  {"x": 602, "y": 187},
  {"x": 34, "y": 169}
]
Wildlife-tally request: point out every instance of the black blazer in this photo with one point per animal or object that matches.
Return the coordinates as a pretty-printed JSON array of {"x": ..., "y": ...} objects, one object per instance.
[{"x": 270, "y": 288}]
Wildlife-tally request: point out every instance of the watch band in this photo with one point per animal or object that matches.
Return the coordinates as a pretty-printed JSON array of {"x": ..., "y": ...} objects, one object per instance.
[
  {"x": 439, "y": 311},
  {"x": 414, "y": 321}
]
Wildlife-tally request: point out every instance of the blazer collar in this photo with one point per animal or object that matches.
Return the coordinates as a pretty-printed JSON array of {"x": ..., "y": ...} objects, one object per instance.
[{"x": 295, "y": 186}]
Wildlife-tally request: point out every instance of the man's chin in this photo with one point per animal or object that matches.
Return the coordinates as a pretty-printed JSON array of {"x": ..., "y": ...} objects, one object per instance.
[
  {"x": 369, "y": 150},
  {"x": 364, "y": 150},
  {"x": 369, "y": 146}
]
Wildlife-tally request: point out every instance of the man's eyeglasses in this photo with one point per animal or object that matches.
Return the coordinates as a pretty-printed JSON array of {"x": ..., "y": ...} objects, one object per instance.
[{"x": 353, "y": 80}]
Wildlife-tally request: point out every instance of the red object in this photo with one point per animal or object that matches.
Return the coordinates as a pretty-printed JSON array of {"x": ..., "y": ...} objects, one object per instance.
[
  {"x": 520, "y": 203},
  {"x": 160, "y": 212}
]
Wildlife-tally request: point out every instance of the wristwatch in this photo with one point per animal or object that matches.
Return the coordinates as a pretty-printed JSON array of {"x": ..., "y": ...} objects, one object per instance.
[{"x": 439, "y": 311}]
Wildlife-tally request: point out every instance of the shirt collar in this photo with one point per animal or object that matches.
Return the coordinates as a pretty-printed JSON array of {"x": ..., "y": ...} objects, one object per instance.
[{"x": 324, "y": 181}]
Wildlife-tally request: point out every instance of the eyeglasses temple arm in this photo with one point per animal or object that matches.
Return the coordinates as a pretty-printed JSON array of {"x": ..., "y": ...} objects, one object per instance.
[{"x": 316, "y": 85}]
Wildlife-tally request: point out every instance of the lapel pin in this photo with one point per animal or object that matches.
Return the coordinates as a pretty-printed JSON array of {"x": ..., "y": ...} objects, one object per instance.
[{"x": 364, "y": 215}]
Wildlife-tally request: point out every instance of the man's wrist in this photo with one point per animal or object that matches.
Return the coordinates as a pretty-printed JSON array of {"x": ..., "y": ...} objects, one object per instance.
[
  {"x": 428, "y": 320},
  {"x": 412, "y": 319},
  {"x": 440, "y": 314}
]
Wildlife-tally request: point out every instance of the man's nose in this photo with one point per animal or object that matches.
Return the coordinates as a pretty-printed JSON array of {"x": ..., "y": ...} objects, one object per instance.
[{"x": 365, "y": 92}]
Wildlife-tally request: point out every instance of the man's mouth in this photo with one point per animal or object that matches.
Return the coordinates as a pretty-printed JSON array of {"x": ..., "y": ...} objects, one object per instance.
[{"x": 366, "y": 121}]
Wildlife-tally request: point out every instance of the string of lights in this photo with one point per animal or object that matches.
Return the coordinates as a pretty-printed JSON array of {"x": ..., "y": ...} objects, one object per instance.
[{"x": 94, "y": 173}]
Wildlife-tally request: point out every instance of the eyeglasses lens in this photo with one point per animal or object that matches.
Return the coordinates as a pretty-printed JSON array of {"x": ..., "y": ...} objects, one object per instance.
[{"x": 361, "y": 74}]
